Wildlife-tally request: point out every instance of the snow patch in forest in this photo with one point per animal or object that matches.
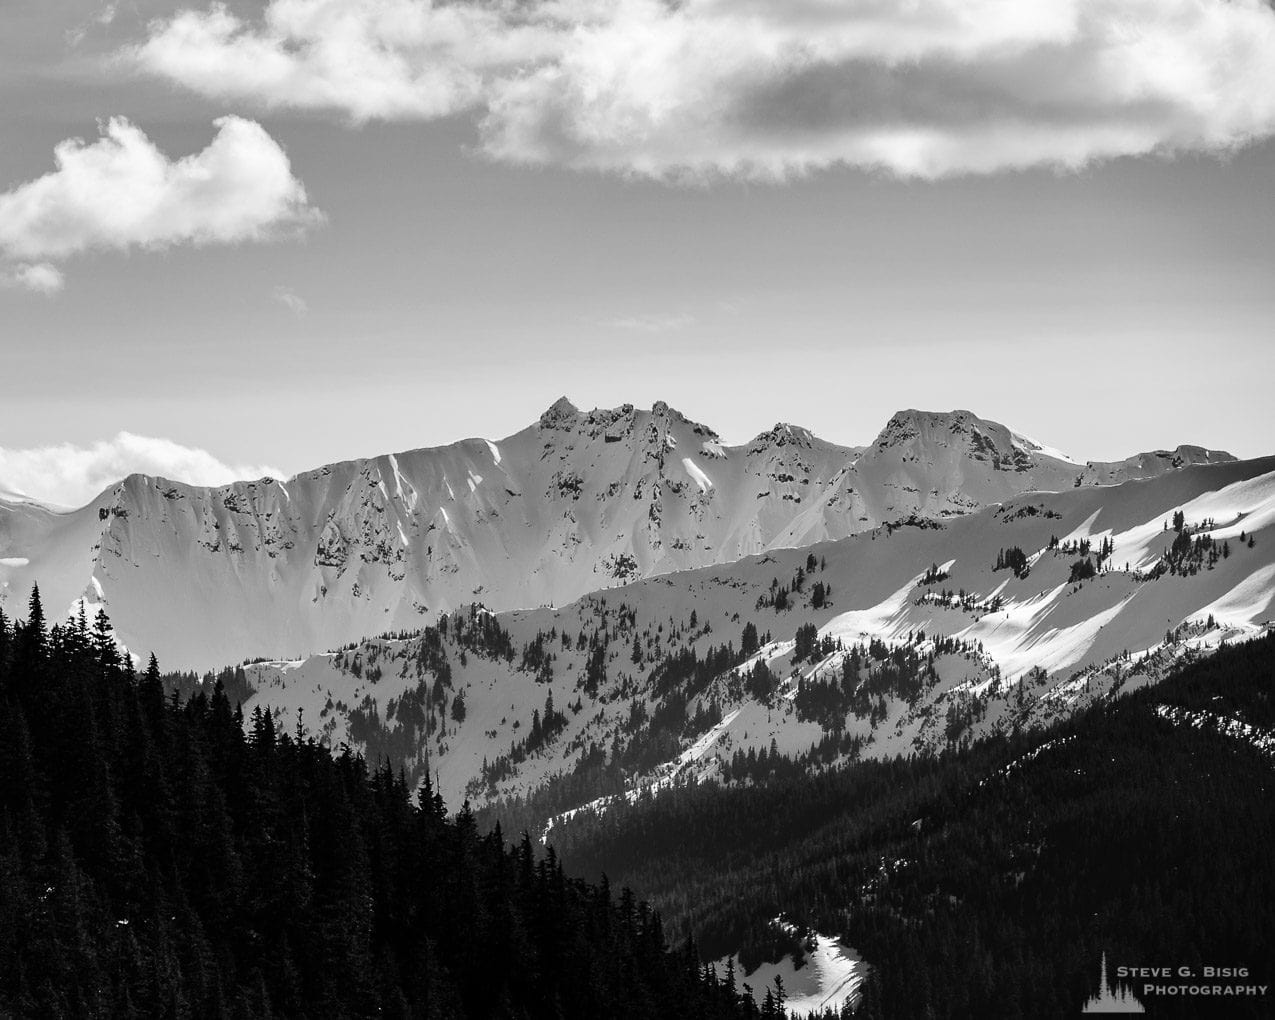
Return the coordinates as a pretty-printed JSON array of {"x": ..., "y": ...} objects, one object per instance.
[
  {"x": 1236, "y": 729},
  {"x": 831, "y": 973}
]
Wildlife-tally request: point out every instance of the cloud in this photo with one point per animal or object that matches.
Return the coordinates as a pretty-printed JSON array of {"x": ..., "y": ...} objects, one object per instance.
[
  {"x": 122, "y": 192},
  {"x": 101, "y": 18},
  {"x": 758, "y": 89},
  {"x": 290, "y": 300},
  {"x": 71, "y": 475},
  {"x": 371, "y": 59},
  {"x": 39, "y": 277},
  {"x": 656, "y": 323}
]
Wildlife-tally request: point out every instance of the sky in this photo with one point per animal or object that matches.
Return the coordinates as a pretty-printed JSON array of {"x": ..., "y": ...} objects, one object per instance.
[{"x": 251, "y": 239}]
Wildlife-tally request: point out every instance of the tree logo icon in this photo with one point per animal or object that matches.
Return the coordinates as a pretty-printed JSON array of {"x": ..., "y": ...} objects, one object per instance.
[{"x": 1111, "y": 1000}]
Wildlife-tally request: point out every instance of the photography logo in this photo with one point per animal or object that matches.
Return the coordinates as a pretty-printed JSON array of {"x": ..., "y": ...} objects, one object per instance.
[{"x": 1112, "y": 1000}]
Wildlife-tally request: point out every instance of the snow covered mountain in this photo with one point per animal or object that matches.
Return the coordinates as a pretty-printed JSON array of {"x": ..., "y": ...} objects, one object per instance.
[
  {"x": 896, "y": 639},
  {"x": 574, "y": 503}
]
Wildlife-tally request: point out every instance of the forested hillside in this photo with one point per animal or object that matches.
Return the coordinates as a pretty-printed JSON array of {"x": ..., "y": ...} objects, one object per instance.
[
  {"x": 159, "y": 858},
  {"x": 987, "y": 882}
]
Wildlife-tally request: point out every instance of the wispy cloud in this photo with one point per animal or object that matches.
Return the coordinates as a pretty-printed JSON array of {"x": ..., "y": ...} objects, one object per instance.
[
  {"x": 291, "y": 300},
  {"x": 72, "y": 475},
  {"x": 102, "y": 17},
  {"x": 40, "y": 277},
  {"x": 657, "y": 323},
  {"x": 760, "y": 89},
  {"x": 122, "y": 192}
]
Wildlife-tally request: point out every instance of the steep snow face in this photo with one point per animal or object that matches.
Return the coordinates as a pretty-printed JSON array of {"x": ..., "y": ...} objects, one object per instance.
[
  {"x": 1249, "y": 602},
  {"x": 56, "y": 547},
  {"x": 575, "y": 503}
]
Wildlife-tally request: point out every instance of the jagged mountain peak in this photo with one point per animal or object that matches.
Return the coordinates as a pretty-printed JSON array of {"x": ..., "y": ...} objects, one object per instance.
[
  {"x": 559, "y": 412},
  {"x": 784, "y": 433},
  {"x": 668, "y": 419},
  {"x": 662, "y": 425}
]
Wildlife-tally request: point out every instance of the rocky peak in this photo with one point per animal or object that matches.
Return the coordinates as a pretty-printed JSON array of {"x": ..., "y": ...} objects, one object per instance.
[
  {"x": 780, "y": 435},
  {"x": 1186, "y": 454},
  {"x": 560, "y": 413},
  {"x": 911, "y": 424}
]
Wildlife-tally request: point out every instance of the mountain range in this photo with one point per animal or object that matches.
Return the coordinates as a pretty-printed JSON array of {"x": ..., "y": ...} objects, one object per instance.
[{"x": 574, "y": 503}]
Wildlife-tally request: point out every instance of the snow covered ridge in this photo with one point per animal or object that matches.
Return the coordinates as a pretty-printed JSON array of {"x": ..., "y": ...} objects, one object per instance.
[
  {"x": 577, "y": 502},
  {"x": 1262, "y": 740}
]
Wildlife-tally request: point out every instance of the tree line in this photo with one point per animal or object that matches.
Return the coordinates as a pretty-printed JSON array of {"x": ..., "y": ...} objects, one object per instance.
[{"x": 162, "y": 856}]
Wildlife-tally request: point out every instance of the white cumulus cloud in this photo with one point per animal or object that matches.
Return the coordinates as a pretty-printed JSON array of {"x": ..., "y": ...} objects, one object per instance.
[
  {"x": 760, "y": 89},
  {"x": 70, "y": 475},
  {"x": 371, "y": 59},
  {"x": 121, "y": 192}
]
